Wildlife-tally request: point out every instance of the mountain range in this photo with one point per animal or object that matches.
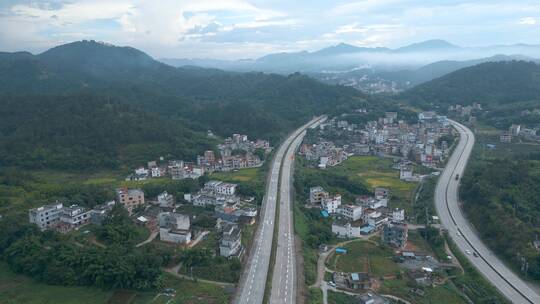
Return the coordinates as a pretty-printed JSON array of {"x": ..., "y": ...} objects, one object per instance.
[{"x": 374, "y": 70}]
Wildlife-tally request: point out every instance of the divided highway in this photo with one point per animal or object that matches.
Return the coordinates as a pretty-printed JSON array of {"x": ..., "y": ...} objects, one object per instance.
[
  {"x": 284, "y": 274},
  {"x": 253, "y": 281},
  {"x": 461, "y": 231}
]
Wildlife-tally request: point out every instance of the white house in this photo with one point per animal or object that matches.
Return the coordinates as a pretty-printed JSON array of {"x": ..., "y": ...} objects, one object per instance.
[
  {"x": 398, "y": 215},
  {"x": 331, "y": 204},
  {"x": 46, "y": 216},
  {"x": 316, "y": 194},
  {"x": 345, "y": 230},
  {"x": 351, "y": 212},
  {"x": 174, "y": 227},
  {"x": 230, "y": 243}
]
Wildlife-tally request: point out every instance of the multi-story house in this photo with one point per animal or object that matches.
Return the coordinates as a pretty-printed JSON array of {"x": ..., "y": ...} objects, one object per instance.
[
  {"x": 351, "y": 212},
  {"x": 46, "y": 216},
  {"x": 174, "y": 227},
  {"x": 395, "y": 235},
  {"x": 130, "y": 198},
  {"x": 230, "y": 244},
  {"x": 73, "y": 217},
  {"x": 330, "y": 204},
  {"x": 316, "y": 194}
]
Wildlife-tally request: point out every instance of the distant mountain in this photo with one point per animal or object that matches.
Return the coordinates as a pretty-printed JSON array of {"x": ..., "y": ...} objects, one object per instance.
[
  {"x": 374, "y": 70},
  {"x": 428, "y": 46},
  {"x": 487, "y": 83}
]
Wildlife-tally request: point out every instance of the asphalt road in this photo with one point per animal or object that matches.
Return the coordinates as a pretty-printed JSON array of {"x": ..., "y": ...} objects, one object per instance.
[
  {"x": 253, "y": 281},
  {"x": 284, "y": 274},
  {"x": 461, "y": 231}
]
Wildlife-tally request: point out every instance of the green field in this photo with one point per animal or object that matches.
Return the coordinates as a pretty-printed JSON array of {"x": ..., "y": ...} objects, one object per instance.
[
  {"x": 242, "y": 175},
  {"x": 374, "y": 172},
  {"x": 444, "y": 294},
  {"x": 19, "y": 289},
  {"x": 365, "y": 256}
]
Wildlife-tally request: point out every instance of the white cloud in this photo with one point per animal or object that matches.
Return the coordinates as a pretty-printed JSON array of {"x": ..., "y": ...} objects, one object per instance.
[{"x": 527, "y": 21}]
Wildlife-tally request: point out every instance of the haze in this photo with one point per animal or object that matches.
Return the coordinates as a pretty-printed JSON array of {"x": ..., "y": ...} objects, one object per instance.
[{"x": 236, "y": 29}]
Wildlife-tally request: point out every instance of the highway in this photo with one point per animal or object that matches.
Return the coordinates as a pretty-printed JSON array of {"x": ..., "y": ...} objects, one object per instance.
[
  {"x": 462, "y": 232},
  {"x": 284, "y": 274},
  {"x": 252, "y": 284}
]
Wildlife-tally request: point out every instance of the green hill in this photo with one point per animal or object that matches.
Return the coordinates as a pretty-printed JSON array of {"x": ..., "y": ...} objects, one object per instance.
[
  {"x": 490, "y": 83},
  {"x": 90, "y": 104}
]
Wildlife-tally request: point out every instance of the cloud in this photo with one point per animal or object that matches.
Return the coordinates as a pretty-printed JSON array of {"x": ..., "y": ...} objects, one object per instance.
[
  {"x": 252, "y": 27},
  {"x": 527, "y": 21}
]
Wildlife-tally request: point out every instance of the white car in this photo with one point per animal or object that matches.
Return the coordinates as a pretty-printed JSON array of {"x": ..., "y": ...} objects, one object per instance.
[
  {"x": 458, "y": 233},
  {"x": 468, "y": 252},
  {"x": 332, "y": 284}
]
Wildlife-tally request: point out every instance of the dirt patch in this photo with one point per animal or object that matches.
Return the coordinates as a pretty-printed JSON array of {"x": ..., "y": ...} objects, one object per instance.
[
  {"x": 121, "y": 297},
  {"x": 409, "y": 246}
]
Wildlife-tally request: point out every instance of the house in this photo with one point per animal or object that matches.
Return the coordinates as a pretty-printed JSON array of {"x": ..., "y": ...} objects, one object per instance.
[
  {"x": 316, "y": 194},
  {"x": 395, "y": 235},
  {"x": 398, "y": 215},
  {"x": 355, "y": 280},
  {"x": 46, "y": 216},
  {"x": 165, "y": 200},
  {"x": 130, "y": 198},
  {"x": 514, "y": 129},
  {"x": 230, "y": 244},
  {"x": 351, "y": 212},
  {"x": 98, "y": 214},
  {"x": 505, "y": 137},
  {"x": 73, "y": 217},
  {"x": 371, "y": 298},
  {"x": 344, "y": 229},
  {"x": 405, "y": 173},
  {"x": 420, "y": 277},
  {"x": 174, "y": 227},
  {"x": 330, "y": 204},
  {"x": 377, "y": 220},
  {"x": 219, "y": 187}
]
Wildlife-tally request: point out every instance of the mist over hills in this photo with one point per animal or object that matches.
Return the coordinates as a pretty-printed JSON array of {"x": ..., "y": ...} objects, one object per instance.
[{"x": 374, "y": 70}]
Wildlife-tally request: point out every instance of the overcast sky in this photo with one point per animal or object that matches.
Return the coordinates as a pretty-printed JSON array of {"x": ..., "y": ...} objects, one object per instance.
[{"x": 233, "y": 29}]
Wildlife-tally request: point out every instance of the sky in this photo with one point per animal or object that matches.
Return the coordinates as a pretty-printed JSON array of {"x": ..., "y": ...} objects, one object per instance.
[{"x": 237, "y": 29}]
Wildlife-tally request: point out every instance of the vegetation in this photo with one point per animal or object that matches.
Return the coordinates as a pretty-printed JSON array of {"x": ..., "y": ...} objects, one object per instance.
[
  {"x": 488, "y": 83},
  {"x": 472, "y": 283},
  {"x": 203, "y": 263},
  {"x": 365, "y": 256},
  {"x": 500, "y": 193},
  {"x": 87, "y": 131},
  {"x": 118, "y": 229}
]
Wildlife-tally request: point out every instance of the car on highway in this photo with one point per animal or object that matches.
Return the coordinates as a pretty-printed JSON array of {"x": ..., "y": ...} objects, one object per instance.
[
  {"x": 468, "y": 252},
  {"x": 475, "y": 254},
  {"x": 457, "y": 176}
]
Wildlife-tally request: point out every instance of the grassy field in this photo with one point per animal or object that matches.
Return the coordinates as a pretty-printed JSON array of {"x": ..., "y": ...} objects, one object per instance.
[
  {"x": 444, "y": 294},
  {"x": 364, "y": 256},
  {"x": 242, "y": 175},
  {"x": 19, "y": 289},
  {"x": 372, "y": 172},
  {"x": 23, "y": 290}
]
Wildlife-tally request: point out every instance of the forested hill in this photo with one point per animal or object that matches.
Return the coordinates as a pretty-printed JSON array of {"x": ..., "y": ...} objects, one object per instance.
[
  {"x": 487, "y": 83},
  {"x": 176, "y": 103},
  {"x": 87, "y": 131}
]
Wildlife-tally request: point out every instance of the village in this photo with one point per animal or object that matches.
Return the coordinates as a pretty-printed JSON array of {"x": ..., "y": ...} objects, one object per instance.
[
  {"x": 372, "y": 224},
  {"x": 236, "y": 152},
  {"x": 168, "y": 218}
]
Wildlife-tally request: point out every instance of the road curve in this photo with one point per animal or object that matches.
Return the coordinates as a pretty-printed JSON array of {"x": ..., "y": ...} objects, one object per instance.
[
  {"x": 461, "y": 231},
  {"x": 284, "y": 274},
  {"x": 253, "y": 281}
]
